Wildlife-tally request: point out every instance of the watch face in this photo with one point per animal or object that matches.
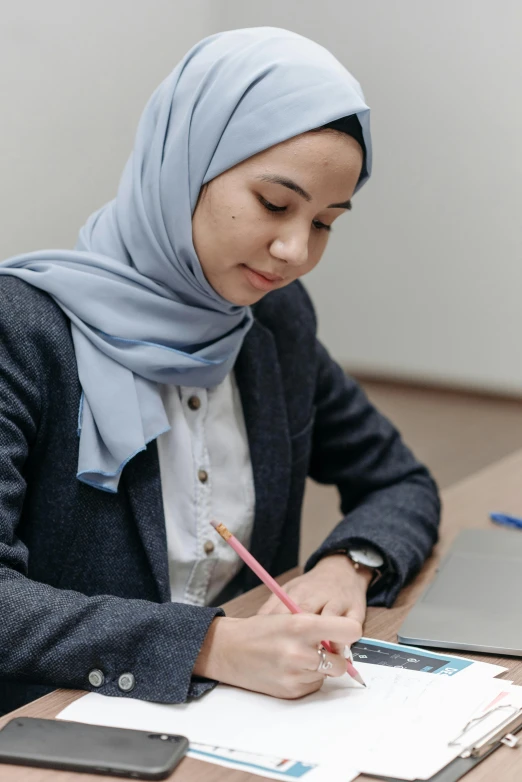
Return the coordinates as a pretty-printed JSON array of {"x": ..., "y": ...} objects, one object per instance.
[{"x": 366, "y": 556}]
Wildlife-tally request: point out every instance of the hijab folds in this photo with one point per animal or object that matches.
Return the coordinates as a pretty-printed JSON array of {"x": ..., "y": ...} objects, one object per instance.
[{"x": 141, "y": 311}]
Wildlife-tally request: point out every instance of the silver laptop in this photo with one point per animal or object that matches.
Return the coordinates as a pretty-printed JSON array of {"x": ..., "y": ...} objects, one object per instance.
[{"x": 475, "y": 602}]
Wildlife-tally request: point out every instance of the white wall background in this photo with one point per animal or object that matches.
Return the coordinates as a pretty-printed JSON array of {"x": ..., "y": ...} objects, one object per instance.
[
  {"x": 74, "y": 78},
  {"x": 424, "y": 278}
]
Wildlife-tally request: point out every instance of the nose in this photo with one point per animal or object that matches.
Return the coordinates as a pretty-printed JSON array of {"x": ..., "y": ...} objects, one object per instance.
[{"x": 291, "y": 248}]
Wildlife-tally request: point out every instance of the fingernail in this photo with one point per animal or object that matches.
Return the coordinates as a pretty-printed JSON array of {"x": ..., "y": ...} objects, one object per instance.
[{"x": 347, "y": 652}]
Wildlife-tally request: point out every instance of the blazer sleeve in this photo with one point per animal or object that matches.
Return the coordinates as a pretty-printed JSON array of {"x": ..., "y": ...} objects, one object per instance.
[
  {"x": 56, "y": 637},
  {"x": 388, "y": 499}
]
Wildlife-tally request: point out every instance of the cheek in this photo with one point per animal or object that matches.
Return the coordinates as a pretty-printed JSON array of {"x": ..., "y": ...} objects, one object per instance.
[
  {"x": 228, "y": 238},
  {"x": 243, "y": 233},
  {"x": 250, "y": 239},
  {"x": 213, "y": 231}
]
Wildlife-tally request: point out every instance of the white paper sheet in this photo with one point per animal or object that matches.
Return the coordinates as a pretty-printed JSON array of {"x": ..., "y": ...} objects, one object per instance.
[
  {"x": 397, "y": 726},
  {"x": 421, "y": 748}
]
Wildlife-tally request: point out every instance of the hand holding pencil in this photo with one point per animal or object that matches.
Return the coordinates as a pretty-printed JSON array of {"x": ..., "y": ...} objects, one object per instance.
[
  {"x": 275, "y": 654},
  {"x": 326, "y": 664}
]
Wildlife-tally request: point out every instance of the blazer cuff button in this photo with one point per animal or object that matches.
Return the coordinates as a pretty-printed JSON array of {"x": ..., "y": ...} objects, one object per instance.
[
  {"x": 96, "y": 677},
  {"x": 126, "y": 682}
]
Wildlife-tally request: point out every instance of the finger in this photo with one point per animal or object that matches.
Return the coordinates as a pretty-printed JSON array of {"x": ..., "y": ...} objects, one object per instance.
[
  {"x": 357, "y": 612},
  {"x": 305, "y": 687},
  {"x": 334, "y": 664},
  {"x": 310, "y": 601},
  {"x": 333, "y": 608},
  {"x": 273, "y": 606},
  {"x": 313, "y": 677},
  {"x": 307, "y": 604},
  {"x": 345, "y": 651},
  {"x": 339, "y": 629}
]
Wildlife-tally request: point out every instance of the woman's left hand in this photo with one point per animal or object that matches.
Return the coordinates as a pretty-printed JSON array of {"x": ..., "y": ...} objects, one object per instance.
[{"x": 332, "y": 588}]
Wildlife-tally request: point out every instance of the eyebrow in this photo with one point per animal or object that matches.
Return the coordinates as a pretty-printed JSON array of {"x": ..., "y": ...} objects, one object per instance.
[{"x": 291, "y": 185}]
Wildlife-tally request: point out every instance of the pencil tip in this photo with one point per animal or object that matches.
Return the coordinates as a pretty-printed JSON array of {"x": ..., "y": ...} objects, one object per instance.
[{"x": 360, "y": 679}]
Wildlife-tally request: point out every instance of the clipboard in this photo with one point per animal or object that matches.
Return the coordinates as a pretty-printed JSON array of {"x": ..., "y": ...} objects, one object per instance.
[{"x": 503, "y": 734}]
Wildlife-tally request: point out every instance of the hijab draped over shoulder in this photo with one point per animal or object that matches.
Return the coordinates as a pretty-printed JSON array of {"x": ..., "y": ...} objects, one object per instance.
[{"x": 141, "y": 311}]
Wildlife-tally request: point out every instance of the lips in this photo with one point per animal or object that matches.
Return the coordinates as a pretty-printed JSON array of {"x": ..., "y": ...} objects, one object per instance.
[
  {"x": 261, "y": 281},
  {"x": 266, "y": 275}
]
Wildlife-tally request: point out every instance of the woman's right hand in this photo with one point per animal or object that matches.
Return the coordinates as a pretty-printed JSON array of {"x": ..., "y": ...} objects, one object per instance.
[{"x": 276, "y": 654}]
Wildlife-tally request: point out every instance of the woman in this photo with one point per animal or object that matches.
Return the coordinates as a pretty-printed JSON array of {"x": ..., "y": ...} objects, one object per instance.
[{"x": 167, "y": 372}]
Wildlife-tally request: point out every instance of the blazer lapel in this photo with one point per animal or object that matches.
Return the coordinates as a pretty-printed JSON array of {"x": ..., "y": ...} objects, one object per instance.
[
  {"x": 142, "y": 480},
  {"x": 260, "y": 385}
]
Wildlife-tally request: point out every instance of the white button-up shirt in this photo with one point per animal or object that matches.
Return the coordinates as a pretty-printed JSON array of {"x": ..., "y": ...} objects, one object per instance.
[{"x": 206, "y": 474}]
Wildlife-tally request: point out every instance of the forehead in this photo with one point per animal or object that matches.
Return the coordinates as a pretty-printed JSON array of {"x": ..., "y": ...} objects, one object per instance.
[{"x": 323, "y": 157}]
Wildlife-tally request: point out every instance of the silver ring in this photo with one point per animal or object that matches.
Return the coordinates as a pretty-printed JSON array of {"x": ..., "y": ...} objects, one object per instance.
[{"x": 324, "y": 664}]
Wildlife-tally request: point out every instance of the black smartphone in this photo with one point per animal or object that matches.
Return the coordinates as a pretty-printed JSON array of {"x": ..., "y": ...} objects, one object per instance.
[{"x": 71, "y": 746}]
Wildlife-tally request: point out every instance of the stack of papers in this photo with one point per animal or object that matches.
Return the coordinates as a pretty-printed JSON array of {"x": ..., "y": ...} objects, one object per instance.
[{"x": 408, "y": 723}]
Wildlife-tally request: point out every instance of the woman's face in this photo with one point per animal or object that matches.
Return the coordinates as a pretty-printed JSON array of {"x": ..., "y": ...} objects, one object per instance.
[{"x": 264, "y": 223}]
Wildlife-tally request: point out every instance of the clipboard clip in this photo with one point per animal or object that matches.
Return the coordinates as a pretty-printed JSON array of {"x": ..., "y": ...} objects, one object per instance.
[{"x": 502, "y": 733}]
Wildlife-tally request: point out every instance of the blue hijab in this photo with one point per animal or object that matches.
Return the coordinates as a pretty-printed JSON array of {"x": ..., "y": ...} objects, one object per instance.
[{"x": 141, "y": 311}]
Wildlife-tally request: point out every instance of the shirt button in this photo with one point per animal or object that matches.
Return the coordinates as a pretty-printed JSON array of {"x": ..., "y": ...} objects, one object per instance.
[
  {"x": 208, "y": 547},
  {"x": 203, "y": 476},
  {"x": 194, "y": 402},
  {"x": 126, "y": 682},
  {"x": 96, "y": 677}
]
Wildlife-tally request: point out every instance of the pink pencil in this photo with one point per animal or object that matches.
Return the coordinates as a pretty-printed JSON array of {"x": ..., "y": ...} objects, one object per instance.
[{"x": 274, "y": 587}]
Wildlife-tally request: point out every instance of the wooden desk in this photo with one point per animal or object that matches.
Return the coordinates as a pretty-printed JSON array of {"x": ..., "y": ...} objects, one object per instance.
[{"x": 465, "y": 505}]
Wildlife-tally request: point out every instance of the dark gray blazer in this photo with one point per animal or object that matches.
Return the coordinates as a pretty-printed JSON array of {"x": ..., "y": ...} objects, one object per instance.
[{"x": 84, "y": 580}]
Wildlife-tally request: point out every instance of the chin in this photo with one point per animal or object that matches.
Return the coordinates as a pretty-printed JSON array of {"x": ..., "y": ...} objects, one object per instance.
[{"x": 243, "y": 299}]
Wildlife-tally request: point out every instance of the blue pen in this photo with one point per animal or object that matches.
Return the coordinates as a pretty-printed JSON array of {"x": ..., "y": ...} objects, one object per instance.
[{"x": 509, "y": 521}]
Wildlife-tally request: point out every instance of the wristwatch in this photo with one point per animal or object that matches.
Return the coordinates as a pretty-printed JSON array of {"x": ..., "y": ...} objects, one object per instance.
[{"x": 369, "y": 557}]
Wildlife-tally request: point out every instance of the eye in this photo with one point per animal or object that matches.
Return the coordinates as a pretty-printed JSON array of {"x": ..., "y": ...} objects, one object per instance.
[
  {"x": 271, "y": 207},
  {"x": 317, "y": 224},
  {"x": 321, "y": 226}
]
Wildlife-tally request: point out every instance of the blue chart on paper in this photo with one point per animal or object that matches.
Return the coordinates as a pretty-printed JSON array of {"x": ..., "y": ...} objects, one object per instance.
[
  {"x": 397, "y": 656},
  {"x": 288, "y": 769}
]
